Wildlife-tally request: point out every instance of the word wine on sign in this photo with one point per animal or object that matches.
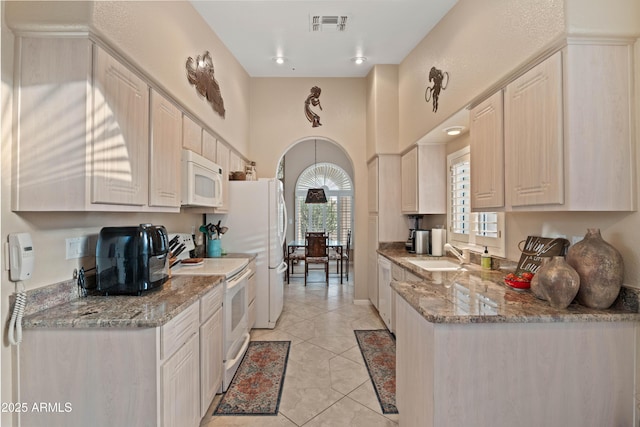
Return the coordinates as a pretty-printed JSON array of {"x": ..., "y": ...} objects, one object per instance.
[{"x": 535, "y": 248}]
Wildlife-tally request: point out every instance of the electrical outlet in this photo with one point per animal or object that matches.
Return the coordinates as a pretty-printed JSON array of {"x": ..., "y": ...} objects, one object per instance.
[{"x": 77, "y": 247}]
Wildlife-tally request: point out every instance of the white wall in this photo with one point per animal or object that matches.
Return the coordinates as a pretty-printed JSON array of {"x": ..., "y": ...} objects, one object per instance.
[
  {"x": 278, "y": 123},
  {"x": 477, "y": 43}
]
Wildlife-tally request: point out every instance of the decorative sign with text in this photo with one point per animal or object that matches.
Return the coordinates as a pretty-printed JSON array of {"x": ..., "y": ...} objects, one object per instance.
[{"x": 535, "y": 248}]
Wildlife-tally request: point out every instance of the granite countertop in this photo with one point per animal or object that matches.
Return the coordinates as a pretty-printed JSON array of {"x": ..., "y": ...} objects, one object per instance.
[
  {"x": 151, "y": 309},
  {"x": 481, "y": 296}
]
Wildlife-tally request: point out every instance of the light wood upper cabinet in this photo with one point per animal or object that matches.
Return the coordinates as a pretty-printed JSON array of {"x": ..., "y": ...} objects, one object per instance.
[
  {"x": 222, "y": 159},
  {"x": 599, "y": 126},
  {"x": 209, "y": 143},
  {"x": 409, "y": 181},
  {"x": 384, "y": 197},
  {"x": 423, "y": 180},
  {"x": 533, "y": 131},
  {"x": 191, "y": 135},
  {"x": 569, "y": 142},
  {"x": 120, "y": 133},
  {"x": 164, "y": 155},
  {"x": 236, "y": 164},
  {"x": 83, "y": 127},
  {"x": 487, "y": 152}
]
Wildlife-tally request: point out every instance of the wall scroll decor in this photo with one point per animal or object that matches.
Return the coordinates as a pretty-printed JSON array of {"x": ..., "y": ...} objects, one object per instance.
[
  {"x": 200, "y": 74},
  {"x": 440, "y": 82},
  {"x": 313, "y": 99}
]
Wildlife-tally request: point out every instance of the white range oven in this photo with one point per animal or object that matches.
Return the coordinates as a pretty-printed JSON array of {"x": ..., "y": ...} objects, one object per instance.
[
  {"x": 235, "y": 334},
  {"x": 235, "y": 306}
]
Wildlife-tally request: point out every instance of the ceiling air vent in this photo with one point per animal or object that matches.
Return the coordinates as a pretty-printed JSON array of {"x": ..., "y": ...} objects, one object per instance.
[{"x": 328, "y": 23}]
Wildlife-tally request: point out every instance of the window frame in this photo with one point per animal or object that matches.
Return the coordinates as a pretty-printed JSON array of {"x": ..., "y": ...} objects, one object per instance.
[
  {"x": 472, "y": 241},
  {"x": 341, "y": 196}
]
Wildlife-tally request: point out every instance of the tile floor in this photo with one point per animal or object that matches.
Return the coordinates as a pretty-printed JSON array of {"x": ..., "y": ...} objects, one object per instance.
[{"x": 326, "y": 382}]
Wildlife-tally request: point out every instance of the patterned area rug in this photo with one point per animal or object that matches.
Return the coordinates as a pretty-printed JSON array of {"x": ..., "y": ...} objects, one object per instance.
[
  {"x": 378, "y": 349},
  {"x": 257, "y": 386}
]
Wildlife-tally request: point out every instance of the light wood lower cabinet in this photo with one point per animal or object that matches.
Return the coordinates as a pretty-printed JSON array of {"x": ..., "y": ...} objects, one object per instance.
[
  {"x": 507, "y": 374},
  {"x": 210, "y": 360},
  {"x": 372, "y": 260},
  {"x": 165, "y": 376},
  {"x": 180, "y": 386},
  {"x": 384, "y": 290}
]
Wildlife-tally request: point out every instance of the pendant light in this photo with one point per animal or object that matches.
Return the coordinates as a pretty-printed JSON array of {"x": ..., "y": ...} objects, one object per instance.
[{"x": 315, "y": 195}]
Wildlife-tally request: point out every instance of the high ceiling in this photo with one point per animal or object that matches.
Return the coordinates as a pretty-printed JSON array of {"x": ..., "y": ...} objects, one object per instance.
[{"x": 382, "y": 31}]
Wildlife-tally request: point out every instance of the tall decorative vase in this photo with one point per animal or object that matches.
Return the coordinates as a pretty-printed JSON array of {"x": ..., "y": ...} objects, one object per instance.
[
  {"x": 600, "y": 267},
  {"x": 559, "y": 282}
]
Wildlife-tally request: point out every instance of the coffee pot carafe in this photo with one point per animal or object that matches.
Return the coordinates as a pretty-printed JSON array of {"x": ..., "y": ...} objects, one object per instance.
[{"x": 410, "y": 244}]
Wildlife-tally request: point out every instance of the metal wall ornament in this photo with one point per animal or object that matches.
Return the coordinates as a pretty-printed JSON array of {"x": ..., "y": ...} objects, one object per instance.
[
  {"x": 313, "y": 99},
  {"x": 440, "y": 81},
  {"x": 200, "y": 74}
]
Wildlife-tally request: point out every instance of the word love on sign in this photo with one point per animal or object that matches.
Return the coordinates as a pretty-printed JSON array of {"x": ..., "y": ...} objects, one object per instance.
[{"x": 535, "y": 248}]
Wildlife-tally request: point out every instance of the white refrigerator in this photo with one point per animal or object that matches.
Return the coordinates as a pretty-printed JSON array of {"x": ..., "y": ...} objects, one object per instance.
[{"x": 257, "y": 222}]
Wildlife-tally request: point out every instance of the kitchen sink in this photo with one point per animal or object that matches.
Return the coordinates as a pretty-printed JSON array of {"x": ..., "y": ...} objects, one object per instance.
[{"x": 436, "y": 264}]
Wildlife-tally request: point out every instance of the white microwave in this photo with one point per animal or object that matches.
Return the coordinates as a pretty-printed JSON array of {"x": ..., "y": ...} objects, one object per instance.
[{"x": 201, "y": 181}]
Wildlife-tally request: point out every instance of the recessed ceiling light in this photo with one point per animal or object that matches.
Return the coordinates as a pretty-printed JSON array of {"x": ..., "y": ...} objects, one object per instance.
[
  {"x": 359, "y": 60},
  {"x": 453, "y": 130},
  {"x": 279, "y": 60}
]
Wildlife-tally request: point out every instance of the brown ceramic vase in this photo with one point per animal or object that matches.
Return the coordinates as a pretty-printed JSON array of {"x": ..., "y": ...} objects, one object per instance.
[
  {"x": 600, "y": 267},
  {"x": 535, "y": 287},
  {"x": 559, "y": 282}
]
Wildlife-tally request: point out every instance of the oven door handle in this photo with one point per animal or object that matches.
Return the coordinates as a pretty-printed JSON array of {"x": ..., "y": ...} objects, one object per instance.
[
  {"x": 243, "y": 348},
  {"x": 236, "y": 281}
]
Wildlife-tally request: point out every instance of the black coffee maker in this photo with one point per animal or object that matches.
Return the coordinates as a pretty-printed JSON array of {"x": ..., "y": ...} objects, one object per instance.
[{"x": 410, "y": 245}]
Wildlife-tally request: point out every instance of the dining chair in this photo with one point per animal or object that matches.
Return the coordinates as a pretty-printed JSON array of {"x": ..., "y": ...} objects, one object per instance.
[
  {"x": 346, "y": 253},
  {"x": 342, "y": 256},
  {"x": 316, "y": 253},
  {"x": 292, "y": 258}
]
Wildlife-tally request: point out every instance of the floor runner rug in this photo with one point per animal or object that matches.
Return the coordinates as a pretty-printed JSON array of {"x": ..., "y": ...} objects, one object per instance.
[
  {"x": 378, "y": 348},
  {"x": 256, "y": 387}
]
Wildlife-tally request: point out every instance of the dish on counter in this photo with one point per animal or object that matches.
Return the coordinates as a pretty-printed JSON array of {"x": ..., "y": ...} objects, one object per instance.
[{"x": 522, "y": 281}]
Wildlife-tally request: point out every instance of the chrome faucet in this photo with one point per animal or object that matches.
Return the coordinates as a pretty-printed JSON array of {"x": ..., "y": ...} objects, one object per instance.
[{"x": 463, "y": 257}]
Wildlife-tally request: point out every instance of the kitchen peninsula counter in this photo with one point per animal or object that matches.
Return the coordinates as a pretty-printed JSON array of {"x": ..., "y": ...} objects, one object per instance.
[
  {"x": 151, "y": 309},
  {"x": 481, "y": 296},
  {"x": 471, "y": 351}
]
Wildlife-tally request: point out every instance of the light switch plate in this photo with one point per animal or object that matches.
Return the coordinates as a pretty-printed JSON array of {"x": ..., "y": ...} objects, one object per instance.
[{"x": 77, "y": 247}]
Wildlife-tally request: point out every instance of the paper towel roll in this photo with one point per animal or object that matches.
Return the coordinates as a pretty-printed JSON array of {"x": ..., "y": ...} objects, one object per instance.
[{"x": 438, "y": 238}]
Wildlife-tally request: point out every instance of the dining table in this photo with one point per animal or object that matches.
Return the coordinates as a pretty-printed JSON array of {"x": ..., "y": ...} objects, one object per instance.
[{"x": 294, "y": 245}]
